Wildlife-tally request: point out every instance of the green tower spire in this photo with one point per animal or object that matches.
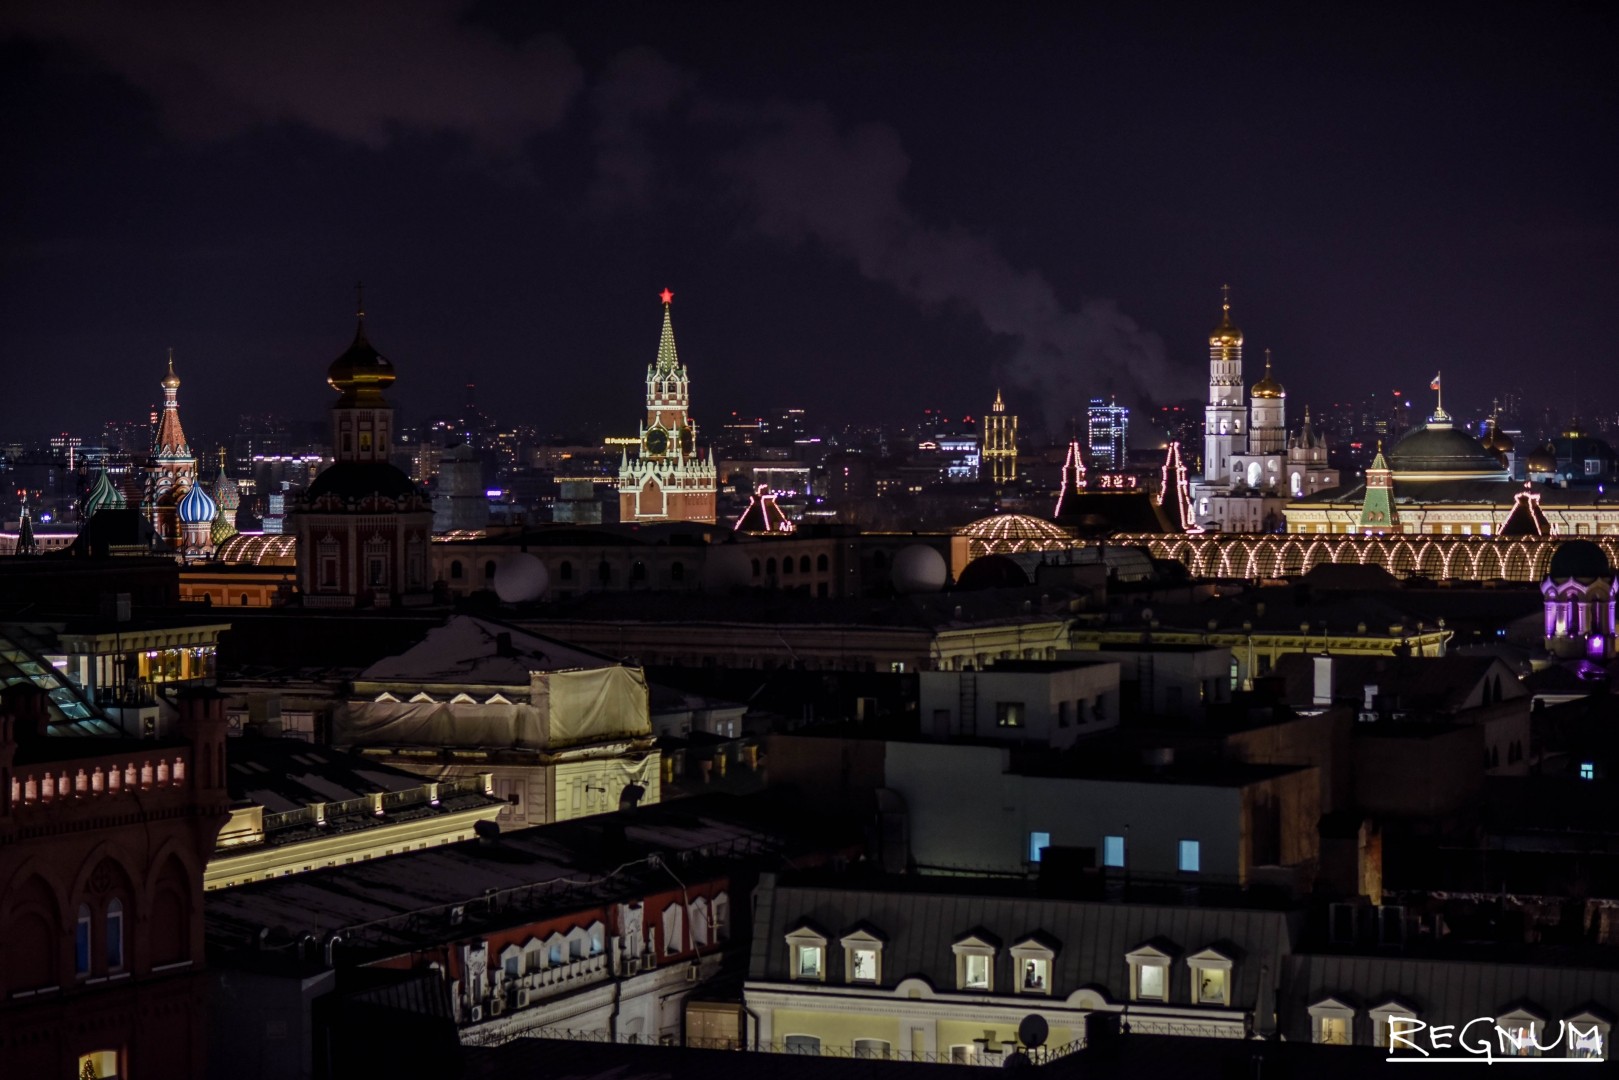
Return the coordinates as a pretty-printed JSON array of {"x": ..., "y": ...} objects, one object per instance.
[{"x": 1377, "y": 513}]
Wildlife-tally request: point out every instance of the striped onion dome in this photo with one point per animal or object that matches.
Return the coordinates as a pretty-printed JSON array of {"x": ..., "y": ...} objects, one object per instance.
[
  {"x": 198, "y": 507},
  {"x": 103, "y": 496}
]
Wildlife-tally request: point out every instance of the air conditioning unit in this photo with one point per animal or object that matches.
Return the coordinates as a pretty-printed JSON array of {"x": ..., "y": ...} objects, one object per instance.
[
  {"x": 477, "y": 1014},
  {"x": 522, "y": 999},
  {"x": 691, "y": 973},
  {"x": 496, "y": 1006},
  {"x": 458, "y": 914}
]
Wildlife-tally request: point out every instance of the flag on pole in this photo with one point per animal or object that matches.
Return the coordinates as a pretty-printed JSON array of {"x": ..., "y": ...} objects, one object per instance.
[{"x": 1435, "y": 384}]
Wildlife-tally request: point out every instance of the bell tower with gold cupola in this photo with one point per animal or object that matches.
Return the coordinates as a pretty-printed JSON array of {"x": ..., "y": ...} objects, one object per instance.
[
  {"x": 669, "y": 479},
  {"x": 1225, "y": 414}
]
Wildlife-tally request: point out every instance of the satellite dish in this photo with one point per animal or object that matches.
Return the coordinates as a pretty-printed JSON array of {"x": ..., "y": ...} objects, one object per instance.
[
  {"x": 1032, "y": 1031},
  {"x": 631, "y": 796}
]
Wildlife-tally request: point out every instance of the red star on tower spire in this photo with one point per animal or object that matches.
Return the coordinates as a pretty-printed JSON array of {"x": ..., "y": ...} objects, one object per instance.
[{"x": 667, "y": 295}]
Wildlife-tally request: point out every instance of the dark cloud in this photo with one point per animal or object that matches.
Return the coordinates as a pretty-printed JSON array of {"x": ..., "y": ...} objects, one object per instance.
[{"x": 364, "y": 72}]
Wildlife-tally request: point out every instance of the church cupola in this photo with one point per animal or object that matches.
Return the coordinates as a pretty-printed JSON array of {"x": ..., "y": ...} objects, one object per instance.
[
  {"x": 362, "y": 419},
  {"x": 1225, "y": 418},
  {"x": 1267, "y": 432}
]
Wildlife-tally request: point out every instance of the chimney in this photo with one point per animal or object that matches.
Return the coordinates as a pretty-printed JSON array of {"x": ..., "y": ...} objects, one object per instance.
[{"x": 1325, "y": 684}]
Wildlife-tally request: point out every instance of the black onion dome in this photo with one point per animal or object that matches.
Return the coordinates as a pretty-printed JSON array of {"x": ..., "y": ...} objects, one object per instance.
[
  {"x": 350, "y": 480},
  {"x": 1581, "y": 559},
  {"x": 1442, "y": 450},
  {"x": 361, "y": 374}
]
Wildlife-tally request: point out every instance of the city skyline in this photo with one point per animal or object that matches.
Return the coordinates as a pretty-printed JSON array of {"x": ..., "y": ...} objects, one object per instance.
[{"x": 934, "y": 215}]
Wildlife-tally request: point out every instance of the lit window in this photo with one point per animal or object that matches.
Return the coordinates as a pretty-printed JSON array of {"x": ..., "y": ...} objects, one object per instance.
[
  {"x": 98, "y": 1064},
  {"x": 1038, "y": 842},
  {"x": 1149, "y": 973},
  {"x": 1211, "y": 977},
  {"x": 1588, "y": 770},
  {"x": 1392, "y": 1014},
  {"x": 1587, "y": 1037},
  {"x": 1521, "y": 1028},
  {"x": 862, "y": 955},
  {"x": 806, "y": 951},
  {"x": 975, "y": 962},
  {"x": 1190, "y": 856},
  {"x": 1113, "y": 851},
  {"x": 1331, "y": 1022},
  {"x": 802, "y": 1044},
  {"x": 1031, "y": 961},
  {"x": 1009, "y": 714}
]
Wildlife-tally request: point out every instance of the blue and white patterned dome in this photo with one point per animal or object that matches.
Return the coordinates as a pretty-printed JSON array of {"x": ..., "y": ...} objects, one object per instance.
[{"x": 197, "y": 508}]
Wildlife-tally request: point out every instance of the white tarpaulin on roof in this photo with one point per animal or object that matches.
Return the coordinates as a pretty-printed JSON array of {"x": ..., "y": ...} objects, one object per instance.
[{"x": 565, "y": 708}]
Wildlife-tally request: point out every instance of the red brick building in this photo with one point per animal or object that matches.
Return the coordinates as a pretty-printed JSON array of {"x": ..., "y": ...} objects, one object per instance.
[{"x": 102, "y": 847}]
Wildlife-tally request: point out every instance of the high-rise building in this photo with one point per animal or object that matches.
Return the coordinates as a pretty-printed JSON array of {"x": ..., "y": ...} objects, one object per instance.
[
  {"x": 669, "y": 479},
  {"x": 1109, "y": 425},
  {"x": 363, "y": 526},
  {"x": 1000, "y": 443}
]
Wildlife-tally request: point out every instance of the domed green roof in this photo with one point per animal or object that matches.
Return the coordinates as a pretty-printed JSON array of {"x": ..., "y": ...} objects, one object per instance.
[
  {"x": 104, "y": 496},
  {"x": 1440, "y": 451},
  {"x": 1581, "y": 559}
]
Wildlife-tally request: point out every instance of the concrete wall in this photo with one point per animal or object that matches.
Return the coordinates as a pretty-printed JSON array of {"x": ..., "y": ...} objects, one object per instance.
[
  {"x": 1167, "y": 684},
  {"x": 1058, "y": 706},
  {"x": 966, "y": 812}
]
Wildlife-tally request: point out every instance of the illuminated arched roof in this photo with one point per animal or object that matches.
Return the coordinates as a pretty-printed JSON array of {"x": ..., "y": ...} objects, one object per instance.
[
  {"x": 260, "y": 549},
  {"x": 1014, "y": 527}
]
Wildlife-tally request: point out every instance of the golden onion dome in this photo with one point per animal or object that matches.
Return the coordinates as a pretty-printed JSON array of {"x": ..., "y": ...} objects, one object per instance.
[
  {"x": 361, "y": 373},
  {"x": 1227, "y": 334},
  {"x": 1268, "y": 387},
  {"x": 1543, "y": 459},
  {"x": 171, "y": 381}
]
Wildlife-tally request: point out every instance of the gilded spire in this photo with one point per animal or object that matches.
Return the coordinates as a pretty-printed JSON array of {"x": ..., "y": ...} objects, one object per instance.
[
  {"x": 1226, "y": 334},
  {"x": 171, "y": 381},
  {"x": 1268, "y": 387}
]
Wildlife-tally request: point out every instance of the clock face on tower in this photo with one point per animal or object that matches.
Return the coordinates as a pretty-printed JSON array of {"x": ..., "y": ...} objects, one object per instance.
[{"x": 656, "y": 442}]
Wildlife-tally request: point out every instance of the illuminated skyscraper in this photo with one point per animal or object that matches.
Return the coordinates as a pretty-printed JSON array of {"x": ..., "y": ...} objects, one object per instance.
[
  {"x": 1109, "y": 425},
  {"x": 1000, "y": 443}
]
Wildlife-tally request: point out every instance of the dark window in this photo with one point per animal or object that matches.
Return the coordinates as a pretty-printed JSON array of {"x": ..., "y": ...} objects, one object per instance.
[
  {"x": 244, "y": 599},
  {"x": 455, "y": 569},
  {"x": 604, "y": 573},
  {"x": 821, "y": 563},
  {"x": 489, "y": 570},
  {"x": 879, "y": 560},
  {"x": 787, "y": 565},
  {"x": 755, "y": 567},
  {"x": 677, "y": 571},
  {"x": 770, "y": 567},
  {"x": 565, "y": 571},
  {"x": 803, "y": 564},
  {"x": 638, "y": 571}
]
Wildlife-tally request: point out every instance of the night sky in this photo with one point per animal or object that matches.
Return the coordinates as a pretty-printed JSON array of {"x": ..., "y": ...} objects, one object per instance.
[{"x": 862, "y": 209}]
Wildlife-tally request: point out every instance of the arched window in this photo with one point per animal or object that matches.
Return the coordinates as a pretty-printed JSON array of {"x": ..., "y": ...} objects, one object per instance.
[
  {"x": 787, "y": 565},
  {"x": 489, "y": 570},
  {"x": 604, "y": 572},
  {"x": 677, "y": 571},
  {"x": 115, "y": 934},
  {"x": 455, "y": 569},
  {"x": 770, "y": 567},
  {"x": 821, "y": 563},
  {"x": 803, "y": 564},
  {"x": 638, "y": 571},
  {"x": 81, "y": 942},
  {"x": 244, "y": 599},
  {"x": 565, "y": 571},
  {"x": 755, "y": 567}
]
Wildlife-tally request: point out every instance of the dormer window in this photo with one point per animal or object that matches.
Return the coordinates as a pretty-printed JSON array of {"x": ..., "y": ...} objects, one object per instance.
[
  {"x": 1520, "y": 1032},
  {"x": 1211, "y": 977},
  {"x": 1392, "y": 1022},
  {"x": 863, "y": 956},
  {"x": 1332, "y": 1022},
  {"x": 806, "y": 955},
  {"x": 975, "y": 962},
  {"x": 1587, "y": 1035},
  {"x": 1149, "y": 973},
  {"x": 1031, "y": 962}
]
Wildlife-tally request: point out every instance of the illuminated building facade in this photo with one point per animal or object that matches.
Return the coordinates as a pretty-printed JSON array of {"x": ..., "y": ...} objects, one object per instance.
[
  {"x": 172, "y": 469},
  {"x": 363, "y": 526},
  {"x": 1108, "y": 426},
  {"x": 1000, "y": 443},
  {"x": 669, "y": 479},
  {"x": 1250, "y": 467}
]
